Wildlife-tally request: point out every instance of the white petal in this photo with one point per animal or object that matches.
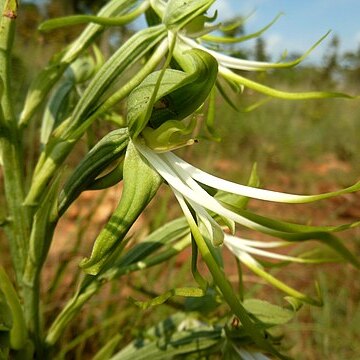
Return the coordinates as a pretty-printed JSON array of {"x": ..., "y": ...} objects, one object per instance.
[
  {"x": 229, "y": 61},
  {"x": 258, "y": 244},
  {"x": 202, "y": 198},
  {"x": 235, "y": 246},
  {"x": 242, "y": 190}
]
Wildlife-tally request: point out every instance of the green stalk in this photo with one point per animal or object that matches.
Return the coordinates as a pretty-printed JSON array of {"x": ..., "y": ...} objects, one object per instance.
[
  {"x": 11, "y": 148},
  {"x": 226, "y": 288},
  {"x": 18, "y": 229},
  {"x": 18, "y": 333},
  {"x": 89, "y": 288}
]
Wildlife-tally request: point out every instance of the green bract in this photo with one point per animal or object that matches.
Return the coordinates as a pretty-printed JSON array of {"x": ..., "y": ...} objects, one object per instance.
[{"x": 140, "y": 185}]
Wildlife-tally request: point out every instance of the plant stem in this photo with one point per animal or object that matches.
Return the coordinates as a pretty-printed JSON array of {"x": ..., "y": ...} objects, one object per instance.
[
  {"x": 224, "y": 285},
  {"x": 18, "y": 229},
  {"x": 11, "y": 148}
]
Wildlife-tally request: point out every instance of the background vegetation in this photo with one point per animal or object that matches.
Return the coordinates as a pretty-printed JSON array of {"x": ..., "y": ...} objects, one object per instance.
[{"x": 303, "y": 147}]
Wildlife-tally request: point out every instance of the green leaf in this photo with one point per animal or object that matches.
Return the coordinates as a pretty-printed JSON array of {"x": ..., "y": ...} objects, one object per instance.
[
  {"x": 108, "y": 349},
  {"x": 74, "y": 127},
  {"x": 158, "y": 300},
  {"x": 132, "y": 51},
  {"x": 170, "y": 346},
  {"x": 141, "y": 183},
  {"x": 268, "y": 313},
  {"x": 100, "y": 20},
  {"x": 166, "y": 234},
  {"x": 6, "y": 321},
  {"x": 18, "y": 332},
  {"x": 112, "y": 178},
  {"x": 44, "y": 222},
  {"x": 45, "y": 80},
  {"x": 56, "y": 110}
]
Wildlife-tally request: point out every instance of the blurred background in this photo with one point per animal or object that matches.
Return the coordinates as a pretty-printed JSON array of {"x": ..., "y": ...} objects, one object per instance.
[{"x": 302, "y": 147}]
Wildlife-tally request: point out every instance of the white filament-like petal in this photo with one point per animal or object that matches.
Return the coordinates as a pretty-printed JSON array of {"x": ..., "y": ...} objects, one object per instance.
[
  {"x": 203, "y": 198},
  {"x": 236, "y": 244},
  {"x": 214, "y": 230},
  {"x": 229, "y": 61},
  {"x": 260, "y": 244},
  {"x": 238, "y": 189}
]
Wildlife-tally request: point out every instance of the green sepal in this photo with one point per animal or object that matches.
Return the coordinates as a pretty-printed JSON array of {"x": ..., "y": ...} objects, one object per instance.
[
  {"x": 141, "y": 183},
  {"x": 86, "y": 19},
  {"x": 45, "y": 80}
]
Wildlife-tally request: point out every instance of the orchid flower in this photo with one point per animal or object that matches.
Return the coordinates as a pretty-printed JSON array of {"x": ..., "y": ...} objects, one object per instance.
[{"x": 188, "y": 38}]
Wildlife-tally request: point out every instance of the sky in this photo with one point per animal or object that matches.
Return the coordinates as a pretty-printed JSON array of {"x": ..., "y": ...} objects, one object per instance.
[{"x": 302, "y": 24}]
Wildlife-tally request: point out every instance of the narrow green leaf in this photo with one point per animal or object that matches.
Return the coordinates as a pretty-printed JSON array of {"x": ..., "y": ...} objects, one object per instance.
[
  {"x": 179, "y": 344},
  {"x": 166, "y": 234},
  {"x": 18, "y": 332},
  {"x": 6, "y": 320},
  {"x": 112, "y": 178},
  {"x": 183, "y": 292},
  {"x": 108, "y": 349},
  {"x": 45, "y": 219},
  {"x": 85, "y": 19},
  {"x": 133, "y": 50},
  {"x": 45, "y": 80},
  {"x": 268, "y": 313},
  {"x": 55, "y": 110}
]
